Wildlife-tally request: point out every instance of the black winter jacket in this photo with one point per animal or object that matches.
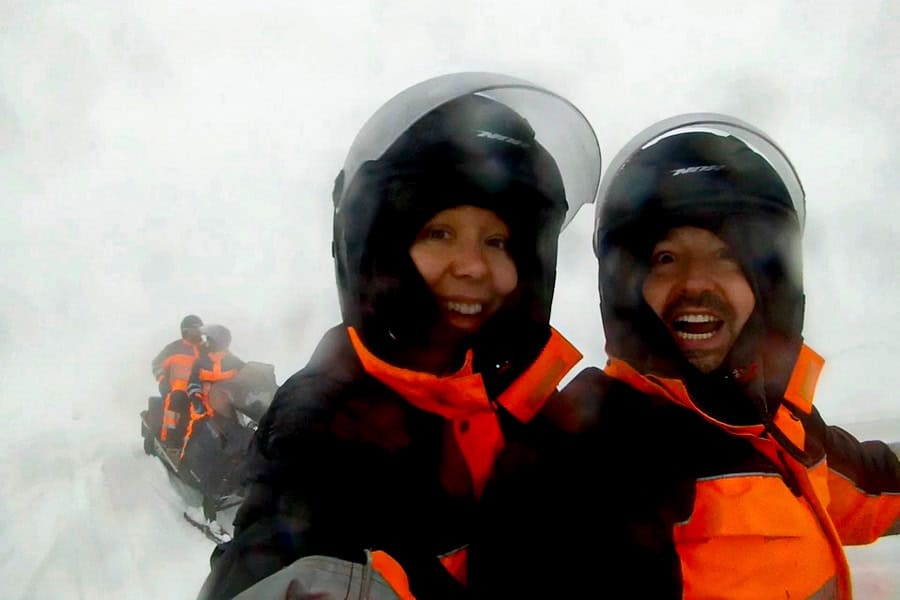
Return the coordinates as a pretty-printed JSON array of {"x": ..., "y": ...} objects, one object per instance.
[{"x": 342, "y": 464}]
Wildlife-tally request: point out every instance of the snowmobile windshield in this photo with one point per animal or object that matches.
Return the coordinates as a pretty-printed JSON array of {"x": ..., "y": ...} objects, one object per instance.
[
  {"x": 558, "y": 125},
  {"x": 709, "y": 123}
]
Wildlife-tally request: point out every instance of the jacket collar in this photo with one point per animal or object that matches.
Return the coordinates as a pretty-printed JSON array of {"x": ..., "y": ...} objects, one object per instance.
[
  {"x": 462, "y": 398},
  {"x": 798, "y": 396}
]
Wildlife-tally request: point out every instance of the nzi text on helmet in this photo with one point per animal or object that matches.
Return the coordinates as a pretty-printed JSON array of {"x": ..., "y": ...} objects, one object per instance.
[
  {"x": 697, "y": 169},
  {"x": 503, "y": 138}
]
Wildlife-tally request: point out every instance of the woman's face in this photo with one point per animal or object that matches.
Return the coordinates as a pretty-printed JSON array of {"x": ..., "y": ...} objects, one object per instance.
[{"x": 463, "y": 256}]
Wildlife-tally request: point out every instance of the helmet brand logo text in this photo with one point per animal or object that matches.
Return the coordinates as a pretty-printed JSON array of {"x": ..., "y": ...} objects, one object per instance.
[
  {"x": 697, "y": 169},
  {"x": 502, "y": 138}
]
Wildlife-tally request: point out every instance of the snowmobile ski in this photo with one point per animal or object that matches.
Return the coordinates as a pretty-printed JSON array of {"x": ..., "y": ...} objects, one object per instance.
[{"x": 211, "y": 528}]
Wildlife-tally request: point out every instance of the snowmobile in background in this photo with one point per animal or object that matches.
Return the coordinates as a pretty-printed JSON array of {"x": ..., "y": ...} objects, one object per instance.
[{"x": 212, "y": 460}]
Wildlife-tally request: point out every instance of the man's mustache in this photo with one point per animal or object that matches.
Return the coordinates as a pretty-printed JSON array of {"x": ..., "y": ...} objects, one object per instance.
[{"x": 707, "y": 299}]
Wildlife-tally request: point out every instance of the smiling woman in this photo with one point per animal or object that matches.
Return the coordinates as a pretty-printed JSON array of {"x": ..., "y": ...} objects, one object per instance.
[
  {"x": 447, "y": 217},
  {"x": 462, "y": 254}
]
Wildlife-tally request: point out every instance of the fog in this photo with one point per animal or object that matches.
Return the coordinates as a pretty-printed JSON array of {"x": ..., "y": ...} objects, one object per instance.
[{"x": 164, "y": 158}]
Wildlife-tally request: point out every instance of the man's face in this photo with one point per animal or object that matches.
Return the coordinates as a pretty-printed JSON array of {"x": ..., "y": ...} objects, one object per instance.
[{"x": 698, "y": 289}]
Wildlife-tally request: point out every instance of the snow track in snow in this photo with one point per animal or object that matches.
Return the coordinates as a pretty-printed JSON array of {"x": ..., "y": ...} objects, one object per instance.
[{"x": 104, "y": 525}]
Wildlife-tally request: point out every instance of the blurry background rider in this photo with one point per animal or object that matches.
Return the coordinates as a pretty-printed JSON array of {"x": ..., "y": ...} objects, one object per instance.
[{"x": 172, "y": 370}]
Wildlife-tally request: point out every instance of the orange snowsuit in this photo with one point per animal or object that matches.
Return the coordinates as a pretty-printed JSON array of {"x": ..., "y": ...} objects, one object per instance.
[
  {"x": 207, "y": 370},
  {"x": 172, "y": 370}
]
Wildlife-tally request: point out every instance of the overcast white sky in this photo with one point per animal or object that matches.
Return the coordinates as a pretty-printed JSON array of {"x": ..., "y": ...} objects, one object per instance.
[{"x": 160, "y": 158}]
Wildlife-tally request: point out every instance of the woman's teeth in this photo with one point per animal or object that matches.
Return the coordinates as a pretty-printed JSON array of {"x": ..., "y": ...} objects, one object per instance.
[
  {"x": 465, "y": 308},
  {"x": 694, "y": 336}
]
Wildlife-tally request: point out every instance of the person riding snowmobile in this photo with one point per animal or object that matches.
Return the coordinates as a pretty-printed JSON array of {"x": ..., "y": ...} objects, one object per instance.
[
  {"x": 207, "y": 459},
  {"x": 217, "y": 364},
  {"x": 172, "y": 370}
]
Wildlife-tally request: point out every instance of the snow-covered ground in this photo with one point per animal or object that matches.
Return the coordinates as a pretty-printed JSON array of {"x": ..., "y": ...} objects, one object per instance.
[
  {"x": 101, "y": 519},
  {"x": 102, "y": 524},
  {"x": 164, "y": 158}
]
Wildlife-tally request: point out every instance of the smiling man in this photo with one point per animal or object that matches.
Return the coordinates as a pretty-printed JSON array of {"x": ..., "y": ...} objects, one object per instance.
[
  {"x": 696, "y": 286},
  {"x": 699, "y": 467}
]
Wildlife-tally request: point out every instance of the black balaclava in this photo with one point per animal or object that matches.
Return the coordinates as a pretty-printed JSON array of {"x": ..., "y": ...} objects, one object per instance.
[
  {"x": 469, "y": 151},
  {"x": 188, "y": 325},
  {"x": 715, "y": 182},
  {"x": 191, "y": 321}
]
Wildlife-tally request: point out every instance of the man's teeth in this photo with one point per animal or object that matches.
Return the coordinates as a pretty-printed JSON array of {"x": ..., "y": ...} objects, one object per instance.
[
  {"x": 465, "y": 308},
  {"x": 696, "y": 326},
  {"x": 696, "y": 318}
]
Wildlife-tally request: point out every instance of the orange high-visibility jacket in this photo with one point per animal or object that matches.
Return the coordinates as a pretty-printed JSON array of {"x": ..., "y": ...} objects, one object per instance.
[
  {"x": 173, "y": 364},
  {"x": 779, "y": 532},
  {"x": 658, "y": 499},
  {"x": 210, "y": 368}
]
